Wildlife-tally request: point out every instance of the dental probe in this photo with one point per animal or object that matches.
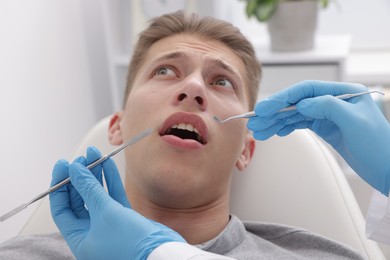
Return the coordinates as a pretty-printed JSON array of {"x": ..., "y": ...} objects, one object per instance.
[
  {"x": 67, "y": 180},
  {"x": 292, "y": 107}
]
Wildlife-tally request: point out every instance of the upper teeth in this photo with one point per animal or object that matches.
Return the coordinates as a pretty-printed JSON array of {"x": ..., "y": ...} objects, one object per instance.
[{"x": 185, "y": 126}]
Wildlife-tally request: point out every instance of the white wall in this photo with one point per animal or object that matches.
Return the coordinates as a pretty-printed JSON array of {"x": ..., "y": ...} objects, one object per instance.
[
  {"x": 46, "y": 103},
  {"x": 367, "y": 21}
]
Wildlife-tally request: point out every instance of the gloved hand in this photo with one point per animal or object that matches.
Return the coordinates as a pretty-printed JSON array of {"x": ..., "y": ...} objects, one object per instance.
[
  {"x": 355, "y": 128},
  {"x": 107, "y": 228}
]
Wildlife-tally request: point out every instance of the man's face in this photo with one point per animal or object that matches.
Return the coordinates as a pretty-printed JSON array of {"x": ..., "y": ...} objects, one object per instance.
[{"x": 187, "y": 161}]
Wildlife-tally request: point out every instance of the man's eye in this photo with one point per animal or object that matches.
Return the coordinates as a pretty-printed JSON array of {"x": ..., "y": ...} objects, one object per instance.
[
  {"x": 165, "y": 71},
  {"x": 224, "y": 83}
]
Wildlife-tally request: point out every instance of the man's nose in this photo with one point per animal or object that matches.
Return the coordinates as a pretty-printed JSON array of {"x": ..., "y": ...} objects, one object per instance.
[{"x": 192, "y": 93}]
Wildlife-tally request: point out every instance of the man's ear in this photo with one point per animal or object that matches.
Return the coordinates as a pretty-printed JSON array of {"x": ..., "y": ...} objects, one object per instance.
[
  {"x": 114, "y": 129},
  {"x": 246, "y": 153}
]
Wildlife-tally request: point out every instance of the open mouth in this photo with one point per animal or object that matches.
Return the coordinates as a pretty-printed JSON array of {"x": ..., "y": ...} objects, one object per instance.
[
  {"x": 186, "y": 126},
  {"x": 185, "y": 131}
]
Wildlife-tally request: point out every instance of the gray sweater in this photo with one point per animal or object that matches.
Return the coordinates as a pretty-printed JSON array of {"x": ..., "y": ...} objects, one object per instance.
[{"x": 250, "y": 240}]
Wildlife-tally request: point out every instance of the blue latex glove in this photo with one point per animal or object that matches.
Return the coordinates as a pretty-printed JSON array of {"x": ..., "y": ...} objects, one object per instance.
[
  {"x": 107, "y": 228},
  {"x": 356, "y": 128}
]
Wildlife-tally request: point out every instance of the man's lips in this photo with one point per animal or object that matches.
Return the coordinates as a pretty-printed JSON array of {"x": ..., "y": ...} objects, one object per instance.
[{"x": 185, "y": 126}]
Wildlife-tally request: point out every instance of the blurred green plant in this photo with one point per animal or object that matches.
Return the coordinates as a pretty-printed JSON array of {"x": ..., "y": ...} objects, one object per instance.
[{"x": 263, "y": 10}]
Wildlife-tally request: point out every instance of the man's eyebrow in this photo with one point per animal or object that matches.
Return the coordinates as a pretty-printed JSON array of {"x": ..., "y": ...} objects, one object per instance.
[
  {"x": 178, "y": 54},
  {"x": 220, "y": 63},
  {"x": 169, "y": 56}
]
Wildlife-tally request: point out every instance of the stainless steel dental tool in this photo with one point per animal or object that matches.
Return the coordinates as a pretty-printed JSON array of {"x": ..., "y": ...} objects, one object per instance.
[
  {"x": 67, "y": 180},
  {"x": 293, "y": 107}
]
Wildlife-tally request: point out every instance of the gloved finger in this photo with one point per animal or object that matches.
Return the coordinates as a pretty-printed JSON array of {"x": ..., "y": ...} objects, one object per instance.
[
  {"x": 264, "y": 134},
  {"x": 59, "y": 199},
  {"x": 303, "y": 90},
  {"x": 76, "y": 202},
  {"x": 70, "y": 226},
  {"x": 60, "y": 173},
  {"x": 267, "y": 133},
  {"x": 271, "y": 105},
  {"x": 261, "y": 123},
  {"x": 325, "y": 129},
  {"x": 314, "y": 88},
  {"x": 89, "y": 188},
  {"x": 287, "y": 97},
  {"x": 94, "y": 154},
  {"x": 288, "y": 129},
  {"x": 114, "y": 183},
  {"x": 325, "y": 107}
]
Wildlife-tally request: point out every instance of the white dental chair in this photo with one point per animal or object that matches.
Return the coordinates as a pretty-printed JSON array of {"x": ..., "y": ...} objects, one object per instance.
[{"x": 292, "y": 180}]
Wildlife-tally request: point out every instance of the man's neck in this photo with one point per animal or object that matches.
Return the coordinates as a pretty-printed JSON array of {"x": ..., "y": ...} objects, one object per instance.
[{"x": 196, "y": 225}]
